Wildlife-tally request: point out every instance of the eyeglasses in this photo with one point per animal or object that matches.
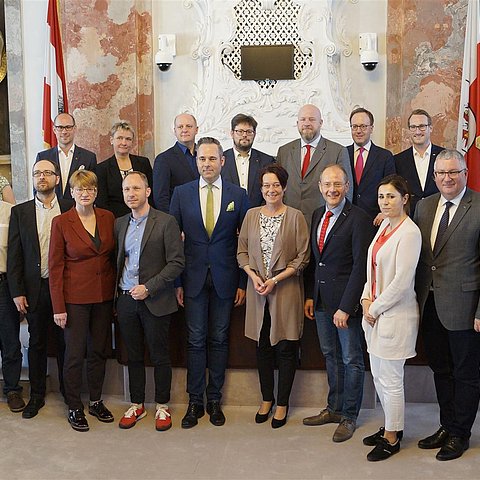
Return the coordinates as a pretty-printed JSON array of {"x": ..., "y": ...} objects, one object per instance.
[
  {"x": 89, "y": 190},
  {"x": 62, "y": 128},
  {"x": 332, "y": 184},
  {"x": 451, "y": 173},
  {"x": 245, "y": 132},
  {"x": 422, "y": 127},
  {"x": 359, "y": 127},
  {"x": 275, "y": 185},
  {"x": 45, "y": 173}
]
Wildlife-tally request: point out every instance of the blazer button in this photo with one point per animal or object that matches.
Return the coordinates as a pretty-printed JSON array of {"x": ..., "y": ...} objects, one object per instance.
[
  {"x": 434, "y": 268},
  {"x": 321, "y": 264}
]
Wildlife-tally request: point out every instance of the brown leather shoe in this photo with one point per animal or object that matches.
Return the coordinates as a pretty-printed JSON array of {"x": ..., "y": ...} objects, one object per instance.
[
  {"x": 15, "y": 401},
  {"x": 345, "y": 430},
  {"x": 324, "y": 417}
]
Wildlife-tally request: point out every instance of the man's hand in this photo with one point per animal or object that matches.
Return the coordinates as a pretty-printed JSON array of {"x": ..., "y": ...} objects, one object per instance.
[
  {"x": 179, "y": 295},
  {"x": 476, "y": 325},
  {"x": 340, "y": 319},
  {"x": 239, "y": 297},
  {"x": 308, "y": 309},
  {"x": 139, "y": 292},
  {"x": 60, "y": 319},
  {"x": 378, "y": 219},
  {"x": 21, "y": 304}
]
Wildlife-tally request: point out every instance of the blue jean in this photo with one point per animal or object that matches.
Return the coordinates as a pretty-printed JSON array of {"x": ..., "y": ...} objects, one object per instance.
[
  {"x": 208, "y": 321},
  {"x": 342, "y": 349}
]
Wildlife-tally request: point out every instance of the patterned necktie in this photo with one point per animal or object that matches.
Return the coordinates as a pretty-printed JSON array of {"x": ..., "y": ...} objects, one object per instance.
[
  {"x": 306, "y": 160},
  {"x": 209, "y": 217},
  {"x": 359, "y": 165},
  {"x": 442, "y": 226},
  {"x": 323, "y": 230}
]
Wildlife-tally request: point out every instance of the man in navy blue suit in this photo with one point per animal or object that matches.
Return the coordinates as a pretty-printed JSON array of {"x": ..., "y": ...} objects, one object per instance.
[
  {"x": 370, "y": 163},
  {"x": 177, "y": 165},
  {"x": 68, "y": 156},
  {"x": 244, "y": 163},
  {"x": 209, "y": 212}
]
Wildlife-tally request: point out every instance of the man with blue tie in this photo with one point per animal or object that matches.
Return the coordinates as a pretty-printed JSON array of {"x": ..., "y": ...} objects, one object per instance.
[{"x": 209, "y": 212}]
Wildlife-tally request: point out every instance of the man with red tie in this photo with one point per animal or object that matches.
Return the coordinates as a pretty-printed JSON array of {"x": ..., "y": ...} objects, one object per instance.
[
  {"x": 334, "y": 280},
  {"x": 305, "y": 158}
]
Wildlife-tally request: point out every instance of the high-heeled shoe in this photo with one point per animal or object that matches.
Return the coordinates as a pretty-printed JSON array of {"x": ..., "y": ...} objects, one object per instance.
[
  {"x": 276, "y": 423},
  {"x": 263, "y": 417}
]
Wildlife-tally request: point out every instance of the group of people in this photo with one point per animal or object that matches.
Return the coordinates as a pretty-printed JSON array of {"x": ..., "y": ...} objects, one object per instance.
[{"x": 369, "y": 245}]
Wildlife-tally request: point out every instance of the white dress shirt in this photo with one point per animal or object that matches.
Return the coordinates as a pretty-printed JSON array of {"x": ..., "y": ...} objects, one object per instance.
[
  {"x": 242, "y": 162},
  {"x": 421, "y": 164},
  {"x": 65, "y": 164},
  {"x": 356, "y": 152}
]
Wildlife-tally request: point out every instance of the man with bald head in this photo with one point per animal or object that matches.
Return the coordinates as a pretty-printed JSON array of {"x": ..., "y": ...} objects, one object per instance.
[
  {"x": 305, "y": 158},
  {"x": 177, "y": 165},
  {"x": 68, "y": 156}
]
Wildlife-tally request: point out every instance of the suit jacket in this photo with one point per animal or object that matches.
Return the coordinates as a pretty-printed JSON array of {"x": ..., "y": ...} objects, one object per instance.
[
  {"x": 219, "y": 252},
  {"x": 79, "y": 272},
  {"x": 110, "y": 195},
  {"x": 258, "y": 160},
  {"x": 170, "y": 169},
  {"x": 405, "y": 166},
  {"x": 454, "y": 272},
  {"x": 335, "y": 278},
  {"x": 24, "y": 258},
  {"x": 82, "y": 158},
  {"x": 285, "y": 302},
  {"x": 394, "y": 335},
  {"x": 161, "y": 259},
  {"x": 379, "y": 164},
  {"x": 304, "y": 194}
]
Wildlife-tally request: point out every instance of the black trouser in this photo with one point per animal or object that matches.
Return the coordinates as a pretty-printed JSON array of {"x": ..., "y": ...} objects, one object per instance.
[
  {"x": 40, "y": 321},
  {"x": 454, "y": 357},
  {"x": 137, "y": 326},
  {"x": 89, "y": 329},
  {"x": 284, "y": 354}
]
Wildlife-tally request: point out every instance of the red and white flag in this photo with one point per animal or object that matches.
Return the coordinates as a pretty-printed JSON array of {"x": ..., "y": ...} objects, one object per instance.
[
  {"x": 468, "y": 139},
  {"x": 54, "y": 81}
]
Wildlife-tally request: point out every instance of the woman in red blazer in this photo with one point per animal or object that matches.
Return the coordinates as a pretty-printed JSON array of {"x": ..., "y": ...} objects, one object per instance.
[{"x": 82, "y": 286}]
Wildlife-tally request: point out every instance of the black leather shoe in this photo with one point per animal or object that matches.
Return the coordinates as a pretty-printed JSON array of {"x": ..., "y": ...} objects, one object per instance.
[
  {"x": 33, "y": 406},
  {"x": 217, "y": 417},
  {"x": 99, "y": 410},
  {"x": 453, "y": 448},
  {"x": 276, "y": 423},
  {"x": 437, "y": 440},
  {"x": 372, "y": 440},
  {"x": 77, "y": 420},
  {"x": 263, "y": 417},
  {"x": 194, "y": 412}
]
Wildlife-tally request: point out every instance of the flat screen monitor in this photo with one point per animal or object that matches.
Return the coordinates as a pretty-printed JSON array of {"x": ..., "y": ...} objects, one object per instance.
[{"x": 273, "y": 62}]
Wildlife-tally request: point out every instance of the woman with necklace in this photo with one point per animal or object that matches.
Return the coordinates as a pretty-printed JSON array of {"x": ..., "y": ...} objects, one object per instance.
[
  {"x": 390, "y": 310},
  {"x": 273, "y": 249}
]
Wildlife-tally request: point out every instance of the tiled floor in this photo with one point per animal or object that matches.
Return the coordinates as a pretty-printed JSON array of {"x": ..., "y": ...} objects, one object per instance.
[{"x": 47, "y": 448}]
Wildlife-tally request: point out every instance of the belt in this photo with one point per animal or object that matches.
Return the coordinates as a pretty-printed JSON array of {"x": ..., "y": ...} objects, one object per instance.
[{"x": 124, "y": 292}]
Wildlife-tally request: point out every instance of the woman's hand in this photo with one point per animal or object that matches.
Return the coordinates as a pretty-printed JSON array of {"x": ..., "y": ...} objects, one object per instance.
[
  {"x": 366, "y": 312},
  {"x": 267, "y": 287},
  {"x": 257, "y": 282},
  {"x": 60, "y": 319}
]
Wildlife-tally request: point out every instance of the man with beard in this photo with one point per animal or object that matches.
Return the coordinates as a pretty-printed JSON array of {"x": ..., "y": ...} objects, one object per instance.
[
  {"x": 242, "y": 162},
  {"x": 305, "y": 158}
]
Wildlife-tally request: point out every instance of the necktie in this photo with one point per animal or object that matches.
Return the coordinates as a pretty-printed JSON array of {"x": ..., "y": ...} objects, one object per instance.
[
  {"x": 209, "y": 217},
  {"x": 323, "y": 230},
  {"x": 442, "y": 226},
  {"x": 359, "y": 165},
  {"x": 306, "y": 160}
]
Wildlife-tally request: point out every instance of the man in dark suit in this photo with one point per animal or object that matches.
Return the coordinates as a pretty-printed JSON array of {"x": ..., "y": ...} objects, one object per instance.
[
  {"x": 448, "y": 292},
  {"x": 68, "y": 156},
  {"x": 209, "y": 212},
  {"x": 146, "y": 299},
  {"x": 177, "y": 165},
  {"x": 305, "y": 158},
  {"x": 28, "y": 244},
  {"x": 415, "y": 164},
  {"x": 243, "y": 163},
  {"x": 334, "y": 282},
  {"x": 369, "y": 163}
]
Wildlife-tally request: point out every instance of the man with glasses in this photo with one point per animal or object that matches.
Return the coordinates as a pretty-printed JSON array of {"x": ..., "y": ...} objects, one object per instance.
[
  {"x": 369, "y": 163},
  {"x": 334, "y": 281},
  {"x": 242, "y": 162},
  {"x": 178, "y": 164},
  {"x": 448, "y": 293},
  {"x": 28, "y": 244},
  {"x": 66, "y": 154},
  {"x": 415, "y": 164},
  {"x": 305, "y": 158}
]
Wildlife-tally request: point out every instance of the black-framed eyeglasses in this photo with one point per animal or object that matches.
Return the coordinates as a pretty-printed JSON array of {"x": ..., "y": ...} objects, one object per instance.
[
  {"x": 245, "y": 132},
  {"x": 421, "y": 127},
  {"x": 62, "y": 128},
  {"x": 451, "y": 173},
  {"x": 359, "y": 127},
  {"x": 45, "y": 173}
]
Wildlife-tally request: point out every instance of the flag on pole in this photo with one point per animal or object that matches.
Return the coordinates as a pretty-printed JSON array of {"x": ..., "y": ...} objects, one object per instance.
[
  {"x": 54, "y": 81},
  {"x": 468, "y": 138}
]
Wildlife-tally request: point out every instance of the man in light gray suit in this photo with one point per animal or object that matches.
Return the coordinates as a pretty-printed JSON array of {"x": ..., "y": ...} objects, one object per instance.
[
  {"x": 149, "y": 259},
  {"x": 305, "y": 158},
  {"x": 448, "y": 292}
]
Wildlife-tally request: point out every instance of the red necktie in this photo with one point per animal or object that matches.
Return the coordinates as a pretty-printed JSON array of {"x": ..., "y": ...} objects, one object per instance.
[
  {"x": 323, "y": 230},
  {"x": 306, "y": 160},
  {"x": 359, "y": 165}
]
